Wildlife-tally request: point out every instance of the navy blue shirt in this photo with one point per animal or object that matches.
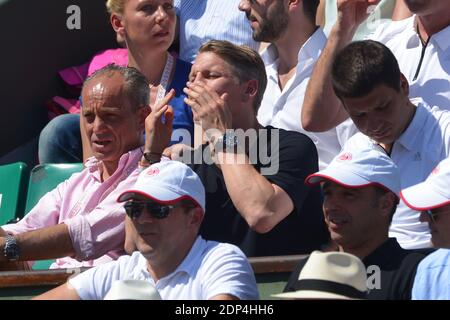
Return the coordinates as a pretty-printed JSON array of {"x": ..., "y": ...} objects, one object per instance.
[
  {"x": 285, "y": 158},
  {"x": 183, "y": 124}
]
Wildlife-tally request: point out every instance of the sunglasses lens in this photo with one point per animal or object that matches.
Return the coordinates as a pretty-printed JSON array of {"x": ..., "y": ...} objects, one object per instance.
[
  {"x": 158, "y": 211},
  {"x": 133, "y": 209}
]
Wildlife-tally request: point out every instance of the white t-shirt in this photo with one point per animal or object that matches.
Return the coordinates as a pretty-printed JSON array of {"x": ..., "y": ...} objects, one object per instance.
[
  {"x": 210, "y": 269},
  {"x": 282, "y": 109},
  {"x": 417, "y": 152},
  {"x": 432, "y": 83}
]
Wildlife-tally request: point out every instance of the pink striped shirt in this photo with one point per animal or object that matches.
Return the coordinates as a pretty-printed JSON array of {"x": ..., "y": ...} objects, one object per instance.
[{"x": 89, "y": 208}]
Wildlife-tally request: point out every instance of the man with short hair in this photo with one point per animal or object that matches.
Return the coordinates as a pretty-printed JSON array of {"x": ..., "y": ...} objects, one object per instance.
[
  {"x": 367, "y": 80},
  {"x": 295, "y": 45},
  {"x": 360, "y": 189},
  {"x": 420, "y": 43},
  {"x": 166, "y": 207},
  {"x": 79, "y": 222},
  {"x": 254, "y": 195},
  {"x": 432, "y": 198}
]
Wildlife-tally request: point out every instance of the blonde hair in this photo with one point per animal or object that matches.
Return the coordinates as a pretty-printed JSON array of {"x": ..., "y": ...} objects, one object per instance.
[
  {"x": 245, "y": 63},
  {"x": 115, "y": 6}
]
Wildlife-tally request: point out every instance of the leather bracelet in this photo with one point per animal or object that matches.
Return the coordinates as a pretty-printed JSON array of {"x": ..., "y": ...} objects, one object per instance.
[{"x": 152, "y": 158}]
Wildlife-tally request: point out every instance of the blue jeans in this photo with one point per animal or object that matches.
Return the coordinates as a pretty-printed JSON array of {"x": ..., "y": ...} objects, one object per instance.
[{"x": 60, "y": 140}]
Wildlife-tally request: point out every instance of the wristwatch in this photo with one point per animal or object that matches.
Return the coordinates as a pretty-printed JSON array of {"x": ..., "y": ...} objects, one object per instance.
[
  {"x": 11, "y": 250},
  {"x": 228, "y": 141}
]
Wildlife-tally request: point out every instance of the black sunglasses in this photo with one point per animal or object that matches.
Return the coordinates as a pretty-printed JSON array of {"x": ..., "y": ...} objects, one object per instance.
[{"x": 156, "y": 210}]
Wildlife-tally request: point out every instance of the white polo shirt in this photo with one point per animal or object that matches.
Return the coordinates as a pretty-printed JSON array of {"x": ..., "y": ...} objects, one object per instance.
[
  {"x": 210, "y": 269},
  {"x": 204, "y": 20},
  {"x": 433, "y": 80},
  {"x": 432, "y": 83},
  {"x": 282, "y": 109},
  {"x": 417, "y": 152}
]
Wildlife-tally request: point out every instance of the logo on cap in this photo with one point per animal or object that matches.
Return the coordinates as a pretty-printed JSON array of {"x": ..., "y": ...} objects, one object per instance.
[
  {"x": 347, "y": 156},
  {"x": 153, "y": 172}
]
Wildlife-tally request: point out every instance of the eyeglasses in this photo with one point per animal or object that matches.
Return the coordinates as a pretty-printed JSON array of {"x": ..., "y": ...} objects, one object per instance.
[
  {"x": 433, "y": 215},
  {"x": 156, "y": 210}
]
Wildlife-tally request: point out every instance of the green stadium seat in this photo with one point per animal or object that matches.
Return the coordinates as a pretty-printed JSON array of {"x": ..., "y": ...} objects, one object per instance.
[
  {"x": 13, "y": 188},
  {"x": 44, "y": 178}
]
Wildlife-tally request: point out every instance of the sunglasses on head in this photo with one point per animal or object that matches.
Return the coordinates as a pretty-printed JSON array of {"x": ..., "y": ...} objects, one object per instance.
[{"x": 134, "y": 209}]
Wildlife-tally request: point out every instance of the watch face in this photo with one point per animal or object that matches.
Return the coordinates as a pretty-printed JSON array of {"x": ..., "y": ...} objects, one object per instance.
[
  {"x": 11, "y": 249},
  {"x": 230, "y": 140}
]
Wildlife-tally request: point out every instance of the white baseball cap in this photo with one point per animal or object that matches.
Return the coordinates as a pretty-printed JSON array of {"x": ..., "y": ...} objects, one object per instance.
[
  {"x": 361, "y": 167},
  {"x": 330, "y": 275},
  {"x": 433, "y": 193},
  {"x": 132, "y": 290},
  {"x": 168, "y": 182}
]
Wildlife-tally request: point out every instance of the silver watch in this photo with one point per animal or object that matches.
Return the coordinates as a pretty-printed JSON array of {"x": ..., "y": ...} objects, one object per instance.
[
  {"x": 11, "y": 250},
  {"x": 228, "y": 141}
]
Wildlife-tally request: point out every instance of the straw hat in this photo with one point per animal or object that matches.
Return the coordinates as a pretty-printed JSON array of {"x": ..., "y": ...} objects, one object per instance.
[{"x": 330, "y": 275}]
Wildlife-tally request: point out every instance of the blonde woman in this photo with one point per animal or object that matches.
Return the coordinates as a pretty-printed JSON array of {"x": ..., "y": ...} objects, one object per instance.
[{"x": 147, "y": 28}]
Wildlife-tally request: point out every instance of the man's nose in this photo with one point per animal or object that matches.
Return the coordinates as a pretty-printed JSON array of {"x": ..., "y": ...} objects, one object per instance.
[
  {"x": 375, "y": 124},
  {"x": 329, "y": 204},
  {"x": 99, "y": 125},
  {"x": 145, "y": 217},
  {"x": 244, "y": 5}
]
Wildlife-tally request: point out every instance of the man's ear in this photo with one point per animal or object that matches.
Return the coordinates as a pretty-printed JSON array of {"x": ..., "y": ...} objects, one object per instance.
[
  {"x": 387, "y": 201},
  {"x": 143, "y": 114},
  {"x": 116, "y": 23},
  {"x": 197, "y": 215},
  {"x": 250, "y": 90},
  {"x": 404, "y": 85},
  {"x": 291, "y": 3}
]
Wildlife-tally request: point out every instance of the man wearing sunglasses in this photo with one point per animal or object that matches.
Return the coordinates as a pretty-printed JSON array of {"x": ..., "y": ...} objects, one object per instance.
[
  {"x": 165, "y": 209},
  {"x": 432, "y": 198}
]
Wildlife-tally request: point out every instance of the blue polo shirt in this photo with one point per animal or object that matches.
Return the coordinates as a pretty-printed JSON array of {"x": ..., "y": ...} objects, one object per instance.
[{"x": 432, "y": 280}]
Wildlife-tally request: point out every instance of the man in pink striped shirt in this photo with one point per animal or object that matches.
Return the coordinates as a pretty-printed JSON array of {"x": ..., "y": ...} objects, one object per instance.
[{"x": 80, "y": 223}]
